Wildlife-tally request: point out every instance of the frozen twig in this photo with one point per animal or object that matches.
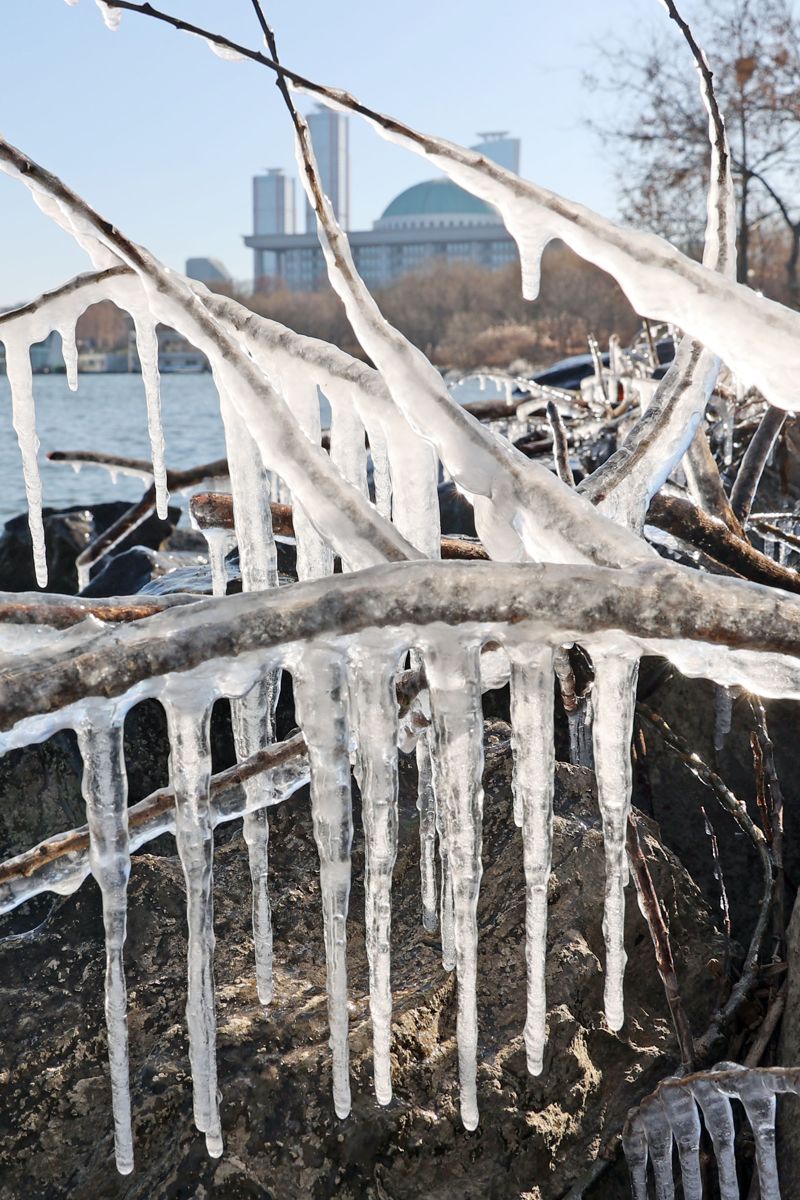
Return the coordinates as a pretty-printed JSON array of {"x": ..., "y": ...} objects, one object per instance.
[
  {"x": 755, "y": 460},
  {"x": 705, "y": 1046},
  {"x": 560, "y": 445},
  {"x": 689, "y": 523},
  {"x": 63, "y": 860},
  {"x": 653, "y": 913}
]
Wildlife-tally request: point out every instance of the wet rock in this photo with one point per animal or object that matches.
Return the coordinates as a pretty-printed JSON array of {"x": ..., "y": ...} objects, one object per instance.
[
  {"x": 68, "y": 532},
  {"x": 282, "y": 1139},
  {"x": 456, "y": 512}
]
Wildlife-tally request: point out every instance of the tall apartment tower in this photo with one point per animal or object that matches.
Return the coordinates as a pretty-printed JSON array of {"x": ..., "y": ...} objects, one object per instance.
[
  {"x": 330, "y": 139},
  {"x": 500, "y": 148},
  {"x": 273, "y": 212}
]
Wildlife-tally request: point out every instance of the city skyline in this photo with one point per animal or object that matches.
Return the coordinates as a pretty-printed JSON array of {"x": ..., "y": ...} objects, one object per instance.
[{"x": 172, "y": 163}]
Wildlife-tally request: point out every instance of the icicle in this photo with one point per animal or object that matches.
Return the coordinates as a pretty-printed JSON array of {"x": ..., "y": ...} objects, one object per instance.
[
  {"x": 658, "y": 1132},
  {"x": 147, "y": 349},
  {"x": 219, "y": 542},
  {"x": 314, "y": 556},
  {"x": 426, "y": 804},
  {"x": 348, "y": 446},
  {"x": 381, "y": 474},
  {"x": 254, "y": 714},
  {"x": 614, "y": 703},
  {"x": 684, "y": 1121},
  {"x": 69, "y": 351},
  {"x": 374, "y": 713},
  {"x": 446, "y": 911},
  {"x": 634, "y": 1145},
  {"x": 188, "y": 720},
  {"x": 456, "y": 731},
  {"x": 20, "y": 379},
  {"x": 320, "y": 699},
  {"x": 718, "y": 1119},
  {"x": 532, "y": 740},
  {"x": 105, "y": 790},
  {"x": 111, "y": 16},
  {"x": 759, "y": 1103},
  {"x": 253, "y": 729}
]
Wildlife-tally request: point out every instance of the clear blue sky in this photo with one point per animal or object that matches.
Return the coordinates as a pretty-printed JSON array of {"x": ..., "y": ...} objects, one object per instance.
[{"x": 163, "y": 137}]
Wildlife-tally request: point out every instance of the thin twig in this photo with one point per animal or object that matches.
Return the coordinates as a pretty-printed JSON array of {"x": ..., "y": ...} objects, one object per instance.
[
  {"x": 755, "y": 460},
  {"x": 560, "y": 445},
  {"x": 744, "y": 985},
  {"x": 653, "y": 913},
  {"x": 689, "y": 523},
  {"x": 214, "y": 510},
  {"x": 767, "y": 1027}
]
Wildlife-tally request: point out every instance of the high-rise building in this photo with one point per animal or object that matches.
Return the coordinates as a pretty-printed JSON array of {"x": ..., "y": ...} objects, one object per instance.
[
  {"x": 432, "y": 220},
  {"x": 273, "y": 212},
  {"x": 330, "y": 139},
  {"x": 500, "y": 148}
]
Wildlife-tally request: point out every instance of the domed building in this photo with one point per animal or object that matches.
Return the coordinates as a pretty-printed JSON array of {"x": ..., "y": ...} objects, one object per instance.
[{"x": 434, "y": 219}]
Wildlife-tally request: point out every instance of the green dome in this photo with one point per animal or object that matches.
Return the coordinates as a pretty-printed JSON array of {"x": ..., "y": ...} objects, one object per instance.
[{"x": 434, "y": 197}]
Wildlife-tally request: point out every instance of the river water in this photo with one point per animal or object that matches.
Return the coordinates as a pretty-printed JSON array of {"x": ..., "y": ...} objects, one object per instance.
[{"x": 106, "y": 413}]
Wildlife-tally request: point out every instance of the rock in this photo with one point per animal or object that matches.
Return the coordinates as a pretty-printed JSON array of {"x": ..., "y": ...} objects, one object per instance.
[
  {"x": 135, "y": 570},
  {"x": 456, "y": 513},
  {"x": 282, "y": 1139},
  {"x": 69, "y": 531}
]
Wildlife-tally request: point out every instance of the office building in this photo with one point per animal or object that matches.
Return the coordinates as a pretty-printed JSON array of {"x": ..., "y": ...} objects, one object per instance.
[
  {"x": 434, "y": 219},
  {"x": 330, "y": 139},
  {"x": 273, "y": 212}
]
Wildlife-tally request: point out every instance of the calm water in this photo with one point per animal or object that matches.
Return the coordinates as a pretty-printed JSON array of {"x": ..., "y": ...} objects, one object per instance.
[{"x": 106, "y": 413}]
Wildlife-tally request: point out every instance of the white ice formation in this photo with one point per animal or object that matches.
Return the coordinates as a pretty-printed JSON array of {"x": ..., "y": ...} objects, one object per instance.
[{"x": 671, "y": 1116}]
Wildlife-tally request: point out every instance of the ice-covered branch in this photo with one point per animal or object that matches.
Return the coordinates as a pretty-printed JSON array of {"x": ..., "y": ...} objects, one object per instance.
[
  {"x": 340, "y": 512},
  {"x": 755, "y": 460},
  {"x": 759, "y": 339},
  {"x": 704, "y": 624}
]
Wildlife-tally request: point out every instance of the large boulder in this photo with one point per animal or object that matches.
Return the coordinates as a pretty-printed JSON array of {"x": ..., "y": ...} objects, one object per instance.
[
  {"x": 282, "y": 1138},
  {"x": 67, "y": 532}
]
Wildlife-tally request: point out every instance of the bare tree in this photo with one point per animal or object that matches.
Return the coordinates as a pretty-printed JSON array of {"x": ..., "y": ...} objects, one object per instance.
[{"x": 661, "y": 136}]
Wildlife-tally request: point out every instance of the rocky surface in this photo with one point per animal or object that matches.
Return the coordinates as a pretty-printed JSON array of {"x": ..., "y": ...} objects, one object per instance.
[
  {"x": 67, "y": 532},
  {"x": 283, "y": 1141}
]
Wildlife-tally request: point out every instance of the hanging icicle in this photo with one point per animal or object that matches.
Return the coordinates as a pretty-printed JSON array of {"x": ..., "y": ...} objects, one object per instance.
[
  {"x": 373, "y": 701},
  {"x": 320, "y": 691},
  {"x": 105, "y": 790},
  {"x": 533, "y": 742},
  {"x": 188, "y": 721},
  {"x": 456, "y": 731}
]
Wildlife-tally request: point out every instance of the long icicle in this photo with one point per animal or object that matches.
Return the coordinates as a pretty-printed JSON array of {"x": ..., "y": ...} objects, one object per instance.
[
  {"x": 188, "y": 722},
  {"x": 105, "y": 790},
  {"x": 253, "y": 715},
  {"x": 533, "y": 742},
  {"x": 614, "y": 701},
  {"x": 453, "y": 675},
  {"x": 426, "y": 804},
  {"x": 375, "y": 720},
  {"x": 20, "y": 378},
  {"x": 147, "y": 349},
  {"x": 321, "y": 704}
]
